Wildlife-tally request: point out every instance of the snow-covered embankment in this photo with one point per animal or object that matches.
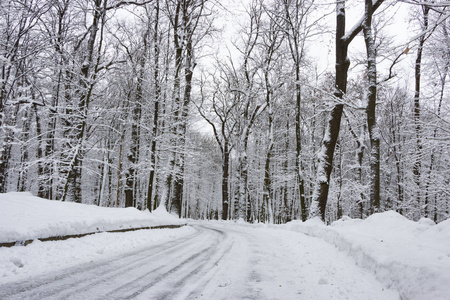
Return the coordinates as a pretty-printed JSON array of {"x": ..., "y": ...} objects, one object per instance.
[
  {"x": 26, "y": 217},
  {"x": 411, "y": 257}
]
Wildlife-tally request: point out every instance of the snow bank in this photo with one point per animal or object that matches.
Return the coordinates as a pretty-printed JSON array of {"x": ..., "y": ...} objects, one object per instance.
[
  {"x": 412, "y": 257},
  {"x": 26, "y": 217},
  {"x": 38, "y": 258}
]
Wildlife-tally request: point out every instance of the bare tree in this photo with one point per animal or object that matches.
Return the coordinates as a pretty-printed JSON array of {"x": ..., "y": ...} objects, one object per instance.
[
  {"x": 325, "y": 165},
  {"x": 297, "y": 30},
  {"x": 223, "y": 126},
  {"x": 185, "y": 17},
  {"x": 18, "y": 20},
  {"x": 156, "y": 108},
  {"x": 372, "y": 126}
]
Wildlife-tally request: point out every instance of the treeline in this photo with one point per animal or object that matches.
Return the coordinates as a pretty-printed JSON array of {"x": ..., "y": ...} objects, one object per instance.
[{"x": 129, "y": 103}]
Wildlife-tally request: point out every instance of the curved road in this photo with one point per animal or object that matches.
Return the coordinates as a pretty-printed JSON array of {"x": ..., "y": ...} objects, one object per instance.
[{"x": 217, "y": 261}]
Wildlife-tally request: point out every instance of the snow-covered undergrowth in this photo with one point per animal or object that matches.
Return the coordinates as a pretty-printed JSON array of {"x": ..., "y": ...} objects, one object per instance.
[
  {"x": 26, "y": 217},
  {"x": 411, "y": 257}
]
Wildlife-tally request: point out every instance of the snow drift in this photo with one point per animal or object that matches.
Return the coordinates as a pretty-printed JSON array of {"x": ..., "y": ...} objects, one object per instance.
[
  {"x": 411, "y": 257},
  {"x": 26, "y": 217}
]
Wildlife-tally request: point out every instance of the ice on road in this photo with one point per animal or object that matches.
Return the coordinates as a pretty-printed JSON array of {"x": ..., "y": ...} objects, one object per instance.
[{"x": 214, "y": 261}]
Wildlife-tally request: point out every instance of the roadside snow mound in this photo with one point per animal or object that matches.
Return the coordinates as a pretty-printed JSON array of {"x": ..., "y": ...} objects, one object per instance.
[
  {"x": 412, "y": 257},
  {"x": 26, "y": 217}
]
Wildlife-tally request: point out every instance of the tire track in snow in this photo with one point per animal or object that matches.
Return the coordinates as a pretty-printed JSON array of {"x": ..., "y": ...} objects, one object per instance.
[
  {"x": 87, "y": 276},
  {"x": 168, "y": 277},
  {"x": 128, "y": 276},
  {"x": 190, "y": 285},
  {"x": 219, "y": 261},
  {"x": 182, "y": 276}
]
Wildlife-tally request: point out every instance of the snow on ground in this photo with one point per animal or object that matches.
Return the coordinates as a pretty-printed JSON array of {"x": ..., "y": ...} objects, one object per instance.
[
  {"x": 411, "y": 257},
  {"x": 217, "y": 260},
  {"x": 26, "y": 217},
  {"x": 37, "y": 258},
  {"x": 266, "y": 263}
]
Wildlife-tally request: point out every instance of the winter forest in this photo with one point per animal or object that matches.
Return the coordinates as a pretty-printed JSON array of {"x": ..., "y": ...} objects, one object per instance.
[{"x": 226, "y": 110}]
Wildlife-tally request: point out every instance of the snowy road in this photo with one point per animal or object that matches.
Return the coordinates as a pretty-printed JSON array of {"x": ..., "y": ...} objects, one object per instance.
[{"x": 216, "y": 261}]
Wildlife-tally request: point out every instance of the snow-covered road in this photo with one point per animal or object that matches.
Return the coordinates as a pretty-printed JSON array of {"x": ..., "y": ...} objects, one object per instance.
[{"x": 214, "y": 261}]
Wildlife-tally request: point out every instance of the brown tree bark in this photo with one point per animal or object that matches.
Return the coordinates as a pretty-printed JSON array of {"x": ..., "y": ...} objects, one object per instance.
[
  {"x": 156, "y": 51},
  {"x": 372, "y": 126},
  {"x": 325, "y": 159},
  {"x": 418, "y": 128}
]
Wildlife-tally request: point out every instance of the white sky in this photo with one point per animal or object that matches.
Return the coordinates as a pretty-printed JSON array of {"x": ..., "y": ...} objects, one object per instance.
[{"x": 321, "y": 50}]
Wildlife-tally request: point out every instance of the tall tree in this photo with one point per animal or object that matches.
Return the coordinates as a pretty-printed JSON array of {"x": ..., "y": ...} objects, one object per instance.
[
  {"x": 137, "y": 102},
  {"x": 417, "y": 75},
  {"x": 243, "y": 84},
  {"x": 272, "y": 39},
  {"x": 185, "y": 17},
  {"x": 156, "y": 107},
  {"x": 296, "y": 13},
  {"x": 372, "y": 126},
  {"x": 325, "y": 164},
  {"x": 18, "y": 20},
  {"x": 223, "y": 126},
  {"x": 86, "y": 77},
  {"x": 58, "y": 30}
]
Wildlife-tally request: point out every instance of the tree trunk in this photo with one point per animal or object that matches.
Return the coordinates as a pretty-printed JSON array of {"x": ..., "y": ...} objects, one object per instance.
[
  {"x": 181, "y": 132},
  {"x": 325, "y": 159},
  {"x": 88, "y": 72},
  {"x": 177, "y": 107},
  {"x": 46, "y": 179},
  {"x": 287, "y": 203},
  {"x": 433, "y": 151},
  {"x": 22, "y": 180},
  {"x": 298, "y": 148},
  {"x": 338, "y": 171},
  {"x": 225, "y": 176},
  {"x": 267, "y": 194},
  {"x": 104, "y": 177},
  {"x": 360, "y": 155},
  {"x": 418, "y": 128},
  {"x": 151, "y": 183},
  {"x": 39, "y": 153},
  {"x": 374, "y": 133},
  {"x": 47, "y": 175},
  {"x": 119, "y": 170},
  {"x": 5, "y": 149},
  {"x": 133, "y": 154}
]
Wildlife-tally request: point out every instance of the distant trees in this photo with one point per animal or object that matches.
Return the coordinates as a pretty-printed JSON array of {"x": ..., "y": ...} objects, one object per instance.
[
  {"x": 216, "y": 108},
  {"x": 18, "y": 75},
  {"x": 186, "y": 19},
  {"x": 295, "y": 15},
  {"x": 123, "y": 103}
]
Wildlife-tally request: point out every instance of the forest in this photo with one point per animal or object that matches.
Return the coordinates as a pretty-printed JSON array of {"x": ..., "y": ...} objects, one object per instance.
[{"x": 223, "y": 110}]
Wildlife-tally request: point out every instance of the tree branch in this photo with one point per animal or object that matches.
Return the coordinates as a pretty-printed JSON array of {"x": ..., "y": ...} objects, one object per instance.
[
  {"x": 122, "y": 3},
  {"x": 359, "y": 25}
]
